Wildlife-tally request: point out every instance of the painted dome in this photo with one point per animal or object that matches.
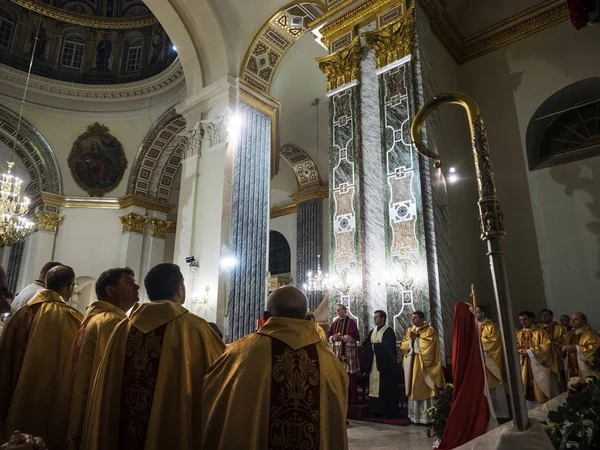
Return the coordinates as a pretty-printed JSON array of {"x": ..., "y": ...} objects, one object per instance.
[{"x": 84, "y": 41}]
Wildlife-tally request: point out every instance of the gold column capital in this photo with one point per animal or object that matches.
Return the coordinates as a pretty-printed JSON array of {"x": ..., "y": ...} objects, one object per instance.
[
  {"x": 393, "y": 41},
  {"x": 160, "y": 228},
  {"x": 343, "y": 66},
  {"x": 311, "y": 193},
  {"x": 134, "y": 223},
  {"x": 48, "y": 221}
]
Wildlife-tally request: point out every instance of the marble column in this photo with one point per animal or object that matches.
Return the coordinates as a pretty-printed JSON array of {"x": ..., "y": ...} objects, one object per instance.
[
  {"x": 39, "y": 247},
  {"x": 309, "y": 244},
  {"x": 248, "y": 239},
  {"x": 384, "y": 211}
]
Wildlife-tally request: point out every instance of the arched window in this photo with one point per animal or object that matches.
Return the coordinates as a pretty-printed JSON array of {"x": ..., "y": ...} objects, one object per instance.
[
  {"x": 280, "y": 258},
  {"x": 566, "y": 127},
  {"x": 134, "y": 55},
  {"x": 7, "y": 24},
  {"x": 72, "y": 52}
]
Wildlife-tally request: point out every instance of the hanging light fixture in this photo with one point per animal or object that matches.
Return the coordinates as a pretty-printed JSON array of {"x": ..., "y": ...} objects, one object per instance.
[
  {"x": 14, "y": 225},
  {"x": 318, "y": 281}
]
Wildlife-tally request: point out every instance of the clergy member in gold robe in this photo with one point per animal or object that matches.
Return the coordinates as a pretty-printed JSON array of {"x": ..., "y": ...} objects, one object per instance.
[
  {"x": 283, "y": 382},
  {"x": 147, "y": 394},
  {"x": 310, "y": 316},
  {"x": 34, "y": 348},
  {"x": 491, "y": 339},
  {"x": 581, "y": 343},
  {"x": 422, "y": 368},
  {"x": 539, "y": 367},
  {"x": 117, "y": 292}
]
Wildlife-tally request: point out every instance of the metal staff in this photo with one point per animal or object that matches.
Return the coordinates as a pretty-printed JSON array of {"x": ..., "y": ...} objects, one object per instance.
[{"x": 492, "y": 231}]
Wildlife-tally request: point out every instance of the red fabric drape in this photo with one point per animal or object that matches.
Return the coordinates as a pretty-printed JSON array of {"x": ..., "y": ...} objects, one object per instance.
[
  {"x": 579, "y": 17},
  {"x": 470, "y": 413}
]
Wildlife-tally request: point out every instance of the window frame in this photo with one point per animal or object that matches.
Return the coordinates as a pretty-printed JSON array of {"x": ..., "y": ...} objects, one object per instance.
[
  {"x": 7, "y": 17},
  {"x": 79, "y": 43},
  {"x": 138, "y": 45}
]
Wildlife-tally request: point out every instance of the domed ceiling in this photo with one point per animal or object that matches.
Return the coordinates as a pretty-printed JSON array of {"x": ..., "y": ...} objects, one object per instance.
[{"x": 84, "y": 41}]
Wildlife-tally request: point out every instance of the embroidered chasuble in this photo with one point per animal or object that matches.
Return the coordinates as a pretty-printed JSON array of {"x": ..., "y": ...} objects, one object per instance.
[
  {"x": 34, "y": 348},
  {"x": 577, "y": 363},
  {"x": 322, "y": 334},
  {"x": 86, "y": 353},
  {"x": 278, "y": 389},
  {"x": 539, "y": 367},
  {"x": 147, "y": 394},
  {"x": 422, "y": 371},
  {"x": 381, "y": 358},
  {"x": 493, "y": 354}
]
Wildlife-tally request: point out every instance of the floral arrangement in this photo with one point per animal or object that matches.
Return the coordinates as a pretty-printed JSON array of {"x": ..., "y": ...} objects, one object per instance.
[
  {"x": 576, "y": 424},
  {"x": 439, "y": 413}
]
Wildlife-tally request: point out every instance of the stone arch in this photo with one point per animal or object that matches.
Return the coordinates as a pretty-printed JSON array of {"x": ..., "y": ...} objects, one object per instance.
[
  {"x": 274, "y": 40},
  {"x": 303, "y": 166},
  {"x": 158, "y": 159},
  {"x": 33, "y": 150}
]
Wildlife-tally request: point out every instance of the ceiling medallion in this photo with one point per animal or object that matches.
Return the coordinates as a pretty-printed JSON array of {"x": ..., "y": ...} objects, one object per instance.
[{"x": 97, "y": 160}]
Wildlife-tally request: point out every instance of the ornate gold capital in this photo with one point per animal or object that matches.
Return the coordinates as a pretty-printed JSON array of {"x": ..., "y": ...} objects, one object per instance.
[
  {"x": 47, "y": 221},
  {"x": 134, "y": 223},
  {"x": 160, "y": 228},
  {"x": 312, "y": 193},
  {"x": 172, "y": 228},
  {"x": 343, "y": 66},
  {"x": 394, "y": 41}
]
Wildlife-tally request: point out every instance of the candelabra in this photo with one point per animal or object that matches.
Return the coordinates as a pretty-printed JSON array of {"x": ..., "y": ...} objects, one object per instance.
[
  {"x": 14, "y": 226},
  {"x": 318, "y": 281}
]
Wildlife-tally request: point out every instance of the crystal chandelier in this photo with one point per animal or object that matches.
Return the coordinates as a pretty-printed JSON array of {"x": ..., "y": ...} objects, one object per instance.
[
  {"x": 14, "y": 226},
  {"x": 316, "y": 282}
]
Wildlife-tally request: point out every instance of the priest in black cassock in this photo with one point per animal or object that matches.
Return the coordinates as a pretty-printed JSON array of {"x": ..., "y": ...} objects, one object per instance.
[{"x": 381, "y": 358}]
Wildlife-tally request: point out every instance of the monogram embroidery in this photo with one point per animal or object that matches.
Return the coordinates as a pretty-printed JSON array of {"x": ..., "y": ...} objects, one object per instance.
[{"x": 295, "y": 398}]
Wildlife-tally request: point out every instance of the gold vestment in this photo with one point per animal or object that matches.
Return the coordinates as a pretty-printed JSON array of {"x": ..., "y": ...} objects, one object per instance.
[
  {"x": 422, "y": 369},
  {"x": 246, "y": 392},
  {"x": 148, "y": 390},
  {"x": 538, "y": 385},
  {"x": 34, "y": 348},
  {"x": 588, "y": 342},
  {"x": 85, "y": 357},
  {"x": 492, "y": 347}
]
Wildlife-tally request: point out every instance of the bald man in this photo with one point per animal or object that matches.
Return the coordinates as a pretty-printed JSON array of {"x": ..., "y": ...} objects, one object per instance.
[
  {"x": 34, "y": 348},
  {"x": 284, "y": 378},
  {"x": 581, "y": 343}
]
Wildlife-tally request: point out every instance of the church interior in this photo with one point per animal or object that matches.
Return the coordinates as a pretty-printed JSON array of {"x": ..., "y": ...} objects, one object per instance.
[{"x": 264, "y": 144}]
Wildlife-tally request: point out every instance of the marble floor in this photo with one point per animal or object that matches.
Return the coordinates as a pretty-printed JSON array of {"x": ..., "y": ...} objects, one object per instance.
[{"x": 367, "y": 435}]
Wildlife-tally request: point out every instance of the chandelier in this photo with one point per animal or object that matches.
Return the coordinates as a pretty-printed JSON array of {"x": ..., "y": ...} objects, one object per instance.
[
  {"x": 316, "y": 282},
  {"x": 14, "y": 226}
]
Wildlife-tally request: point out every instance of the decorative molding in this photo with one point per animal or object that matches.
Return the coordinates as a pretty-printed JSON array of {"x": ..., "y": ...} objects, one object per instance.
[
  {"x": 305, "y": 169},
  {"x": 160, "y": 228},
  {"x": 330, "y": 13},
  {"x": 89, "y": 92},
  {"x": 224, "y": 92},
  {"x": 48, "y": 221},
  {"x": 61, "y": 201},
  {"x": 394, "y": 41},
  {"x": 518, "y": 26},
  {"x": 215, "y": 130},
  {"x": 283, "y": 210},
  {"x": 134, "y": 223},
  {"x": 34, "y": 151},
  {"x": 364, "y": 13},
  {"x": 313, "y": 193},
  {"x": 84, "y": 19},
  {"x": 172, "y": 227},
  {"x": 274, "y": 39},
  {"x": 193, "y": 141},
  {"x": 343, "y": 66}
]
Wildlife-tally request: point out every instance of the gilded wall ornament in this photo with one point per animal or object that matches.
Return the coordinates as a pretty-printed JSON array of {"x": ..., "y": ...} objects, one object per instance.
[
  {"x": 394, "y": 41},
  {"x": 134, "y": 223},
  {"x": 343, "y": 66},
  {"x": 97, "y": 160},
  {"x": 47, "y": 221},
  {"x": 160, "y": 228}
]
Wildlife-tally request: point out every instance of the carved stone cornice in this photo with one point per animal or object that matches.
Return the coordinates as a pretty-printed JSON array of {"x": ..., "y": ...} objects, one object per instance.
[
  {"x": 343, "y": 66},
  {"x": 160, "y": 228},
  {"x": 312, "y": 193},
  {"x": 47, "y": 221},
  {"x": 393, "y": 41},
  {"x": 88, "y": 92},
  {"x": 134, "y": 223},
  {"x": 87, "y": 20},
  {"x": 62, "y": 201},
  {"x": 224, "y": 92}
]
